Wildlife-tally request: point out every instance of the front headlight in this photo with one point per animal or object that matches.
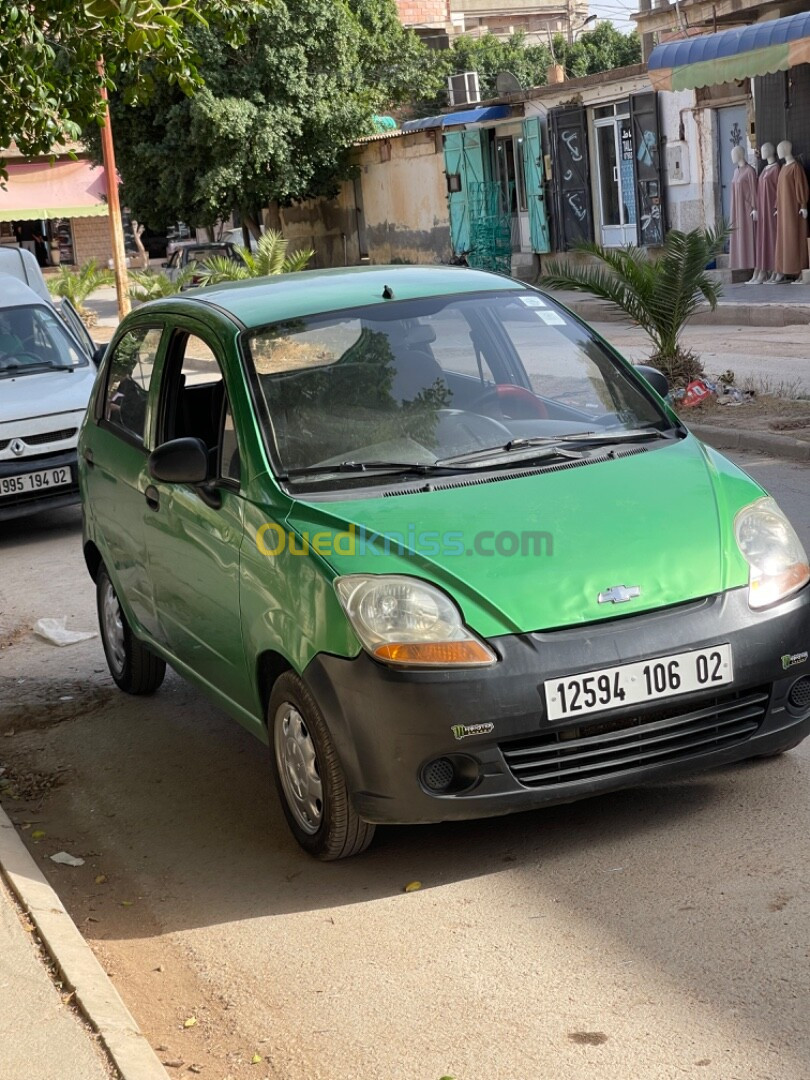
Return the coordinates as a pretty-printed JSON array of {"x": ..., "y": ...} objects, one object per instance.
[
  {"x": 405, "y": 621},
  {"x": 773, "y": 551}
]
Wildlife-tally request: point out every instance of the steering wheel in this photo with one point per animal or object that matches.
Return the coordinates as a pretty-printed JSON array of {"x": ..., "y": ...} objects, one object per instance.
[{"x": 515, "y": 402}]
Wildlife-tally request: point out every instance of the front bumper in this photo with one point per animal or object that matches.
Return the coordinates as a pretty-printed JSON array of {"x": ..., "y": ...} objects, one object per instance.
[
  {"x": 32, "y": 502},
  {"x": 389, "y": 724}
]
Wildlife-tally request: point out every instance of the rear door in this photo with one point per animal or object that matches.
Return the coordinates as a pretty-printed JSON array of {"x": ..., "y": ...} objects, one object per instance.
[{"x": 115, "y": 448}]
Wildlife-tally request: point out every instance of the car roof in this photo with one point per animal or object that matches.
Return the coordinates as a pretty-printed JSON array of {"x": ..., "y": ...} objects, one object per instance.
[
  {"x": 15, "y": 293},
  {"x": 258, "y": 301},
  {"x": 20, "y": 264}
]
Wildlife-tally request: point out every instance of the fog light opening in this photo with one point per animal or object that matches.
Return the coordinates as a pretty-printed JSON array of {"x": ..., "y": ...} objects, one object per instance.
[
  {"x": 799, "y": 695},
  {"x": 450, "y": 774}
]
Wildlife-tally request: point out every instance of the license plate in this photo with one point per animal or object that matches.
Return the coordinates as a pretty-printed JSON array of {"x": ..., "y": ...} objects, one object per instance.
[
  {"x": 43, "y": 480},
  {"x": 632, "y": 684}
]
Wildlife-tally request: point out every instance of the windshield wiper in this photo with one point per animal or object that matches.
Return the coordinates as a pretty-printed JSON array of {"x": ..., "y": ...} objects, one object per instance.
[
  {"x": 361, "y": 467},
  {"x": 554, "y": 444}
]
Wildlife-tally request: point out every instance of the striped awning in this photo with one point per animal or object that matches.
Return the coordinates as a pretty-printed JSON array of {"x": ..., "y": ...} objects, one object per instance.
[
  {"x": 730, "y": 55},
  {"x": 64, "y": 189}
]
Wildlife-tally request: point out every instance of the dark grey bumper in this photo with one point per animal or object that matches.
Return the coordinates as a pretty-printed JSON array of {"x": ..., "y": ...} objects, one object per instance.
[{"x": 389, "y": 724}]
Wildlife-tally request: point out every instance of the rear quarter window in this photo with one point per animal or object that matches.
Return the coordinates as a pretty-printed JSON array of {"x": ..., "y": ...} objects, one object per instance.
[{"x": 128, "y": 381}]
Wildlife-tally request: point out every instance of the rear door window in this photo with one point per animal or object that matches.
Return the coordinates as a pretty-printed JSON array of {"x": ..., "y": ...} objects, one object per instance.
[{"x": 128, "y": 381}]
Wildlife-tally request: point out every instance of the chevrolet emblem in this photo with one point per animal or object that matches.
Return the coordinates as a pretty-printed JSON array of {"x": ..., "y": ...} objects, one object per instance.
[{"x": 619, "y": 594}]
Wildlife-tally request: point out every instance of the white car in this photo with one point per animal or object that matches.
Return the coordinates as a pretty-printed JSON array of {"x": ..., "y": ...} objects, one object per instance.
[{"x": 47, "y": 371}]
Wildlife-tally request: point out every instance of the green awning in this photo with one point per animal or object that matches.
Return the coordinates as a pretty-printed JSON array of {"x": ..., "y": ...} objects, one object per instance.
[{"x": 731, "y": 55}]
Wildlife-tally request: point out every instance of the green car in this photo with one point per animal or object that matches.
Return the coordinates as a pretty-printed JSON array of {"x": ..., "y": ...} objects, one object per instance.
[{"x": 438, "y": 544}]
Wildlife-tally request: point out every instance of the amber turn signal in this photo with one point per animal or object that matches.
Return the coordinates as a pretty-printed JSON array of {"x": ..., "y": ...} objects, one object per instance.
[{"x": 468, "y": 653}]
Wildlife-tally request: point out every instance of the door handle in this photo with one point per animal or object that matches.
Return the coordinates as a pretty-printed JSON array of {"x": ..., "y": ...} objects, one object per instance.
[
  {"x": 88, "y": 457},
  {"x": 152, "y": 497}
]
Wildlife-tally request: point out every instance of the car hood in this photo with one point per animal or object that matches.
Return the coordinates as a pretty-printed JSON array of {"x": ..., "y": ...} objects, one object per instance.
[
  {"x": 660, "y": 520},
  {"x": 24, "y": 397}
]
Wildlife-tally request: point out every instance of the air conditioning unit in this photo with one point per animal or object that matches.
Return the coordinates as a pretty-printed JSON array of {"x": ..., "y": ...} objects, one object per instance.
[{"x": 464, "y": 88}]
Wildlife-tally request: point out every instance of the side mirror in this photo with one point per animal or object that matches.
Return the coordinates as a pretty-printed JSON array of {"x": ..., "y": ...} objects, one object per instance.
[
  {"x": 98, "y": 355},
  {"x": 180, "y": 461},
  {"x": 657, "y": 379}
]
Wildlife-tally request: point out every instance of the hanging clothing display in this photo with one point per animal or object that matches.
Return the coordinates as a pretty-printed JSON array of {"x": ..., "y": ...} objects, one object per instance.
[
  {"x": 792, "y": 193},
  {"x": 743, "y": 202},
  {"x": 766, "y": 218}
]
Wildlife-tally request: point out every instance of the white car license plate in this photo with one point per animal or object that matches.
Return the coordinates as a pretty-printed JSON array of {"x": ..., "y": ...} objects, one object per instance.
[
  {"x": 43, "y": 480},
  {"x": 631, "y": 684}
]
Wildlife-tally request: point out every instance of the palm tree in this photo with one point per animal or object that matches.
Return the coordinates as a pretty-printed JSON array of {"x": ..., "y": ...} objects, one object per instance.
[
  {"x": 269, "y": 258},
  {"x": 660, "y": 295},
  {"x": 77, "y": 285},
  {"x": 146, "y": 285}
]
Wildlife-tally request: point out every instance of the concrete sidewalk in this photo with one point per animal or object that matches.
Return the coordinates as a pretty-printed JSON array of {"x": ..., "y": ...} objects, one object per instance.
[
  {"x": 40, "y": 1036},
  {"x": 739, "y": 305}
]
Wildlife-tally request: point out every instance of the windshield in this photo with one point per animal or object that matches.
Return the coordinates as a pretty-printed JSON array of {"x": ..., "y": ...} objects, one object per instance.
[
  {"x": 427, "y": 381},
  {"x": 32, "y": 340}
]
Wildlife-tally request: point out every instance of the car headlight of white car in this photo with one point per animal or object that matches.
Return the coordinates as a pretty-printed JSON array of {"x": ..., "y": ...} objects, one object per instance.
[
  {"x": 406, "y": 621},
  {"x": 777, "y": 561}
]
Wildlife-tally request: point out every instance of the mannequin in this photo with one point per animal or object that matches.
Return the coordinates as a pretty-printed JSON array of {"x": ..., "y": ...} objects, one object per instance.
[
  {"x": 764, "y": 215},
  {"x": 743, "y": 213},
  {"x": 792, "y": 193}
]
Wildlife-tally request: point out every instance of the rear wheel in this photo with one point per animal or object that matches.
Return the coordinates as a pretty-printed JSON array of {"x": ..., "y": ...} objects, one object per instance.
[
  {"x": 309, "y": 776},
  {"x": 134, "y": 668}
]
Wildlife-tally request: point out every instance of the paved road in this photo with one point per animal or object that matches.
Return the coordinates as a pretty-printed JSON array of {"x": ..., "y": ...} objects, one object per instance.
[{"x": 652, "y": 934}]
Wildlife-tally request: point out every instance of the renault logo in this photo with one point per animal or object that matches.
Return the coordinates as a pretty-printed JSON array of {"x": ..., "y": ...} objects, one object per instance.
[
  {"x": 619, "y": 594},
  {"x": 17, "y": 447}
]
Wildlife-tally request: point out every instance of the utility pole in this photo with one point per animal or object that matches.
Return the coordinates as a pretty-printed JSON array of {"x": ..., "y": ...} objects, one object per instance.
[{"x": 114, "y": 205}]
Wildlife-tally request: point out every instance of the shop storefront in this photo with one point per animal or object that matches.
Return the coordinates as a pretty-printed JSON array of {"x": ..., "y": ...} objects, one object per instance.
[{"x": 56, "y": 209}]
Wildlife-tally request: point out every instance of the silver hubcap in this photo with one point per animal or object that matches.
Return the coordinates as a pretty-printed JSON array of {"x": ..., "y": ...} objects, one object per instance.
[
  {"x": 113, "y": 628},
  {"x": 298, "y": 768}
]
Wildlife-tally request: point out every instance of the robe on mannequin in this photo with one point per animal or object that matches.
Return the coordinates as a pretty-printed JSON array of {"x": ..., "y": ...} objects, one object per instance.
[
  {"x": 792, "y": 193},
  {"x": 743, "y": 212},
  {"x": 765, "y": 216}
]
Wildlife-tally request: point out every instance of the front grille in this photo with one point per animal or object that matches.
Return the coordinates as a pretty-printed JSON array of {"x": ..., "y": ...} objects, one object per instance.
[
  {"x": 607, "y": 747},
  {"x": 49, "y": 436}
]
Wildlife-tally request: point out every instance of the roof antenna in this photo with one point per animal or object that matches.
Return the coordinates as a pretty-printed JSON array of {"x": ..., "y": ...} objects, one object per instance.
[{"x": 388, "y": 293}]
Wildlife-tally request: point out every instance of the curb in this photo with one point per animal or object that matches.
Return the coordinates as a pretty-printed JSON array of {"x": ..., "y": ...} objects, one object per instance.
[
  {"x": 95, "y": 995},
  {"x": 783, "y": 446}
]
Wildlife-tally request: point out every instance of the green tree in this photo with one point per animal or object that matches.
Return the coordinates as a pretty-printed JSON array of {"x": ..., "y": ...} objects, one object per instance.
[
  {"x": 660, "y": 295},
  {"x": 276, "y": 116},
  {"x": 489, "y": 55},
  {"x": 49, "y": 50},
  {"x": 601, "y": 49}
]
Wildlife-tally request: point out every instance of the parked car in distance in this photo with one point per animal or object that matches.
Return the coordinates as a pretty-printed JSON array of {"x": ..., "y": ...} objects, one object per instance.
[
  {"x": 46, "y": 376},
  {"x": 435, "y": 541},
  {"x": 192, "y": 251},
  {"x": 237, "y": 238}
]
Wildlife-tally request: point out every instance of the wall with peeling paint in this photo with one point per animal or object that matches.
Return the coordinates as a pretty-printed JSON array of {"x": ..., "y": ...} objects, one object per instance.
[
  {"x": 405, "y": 199},
  {"x": 394, "y": 211}
]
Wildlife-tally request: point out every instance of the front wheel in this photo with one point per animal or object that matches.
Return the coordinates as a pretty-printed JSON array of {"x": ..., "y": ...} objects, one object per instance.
[
  {"x": 134, "y": 668},
  {"x": 309, "y": 776}
]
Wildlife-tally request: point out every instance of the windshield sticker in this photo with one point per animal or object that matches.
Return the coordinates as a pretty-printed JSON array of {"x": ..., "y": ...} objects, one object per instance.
[
  {"x": 532, "y": 301},
  {"x": 551, "y": 318}
]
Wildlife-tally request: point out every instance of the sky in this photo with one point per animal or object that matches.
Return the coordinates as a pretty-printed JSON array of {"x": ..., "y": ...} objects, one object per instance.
[{"x": 618, "y": 11}]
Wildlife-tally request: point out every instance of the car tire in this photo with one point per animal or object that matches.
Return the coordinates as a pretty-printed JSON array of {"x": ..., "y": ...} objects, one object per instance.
[
  {"x": 309, "y": 777},
  {"x": 133, "y": 667}
]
